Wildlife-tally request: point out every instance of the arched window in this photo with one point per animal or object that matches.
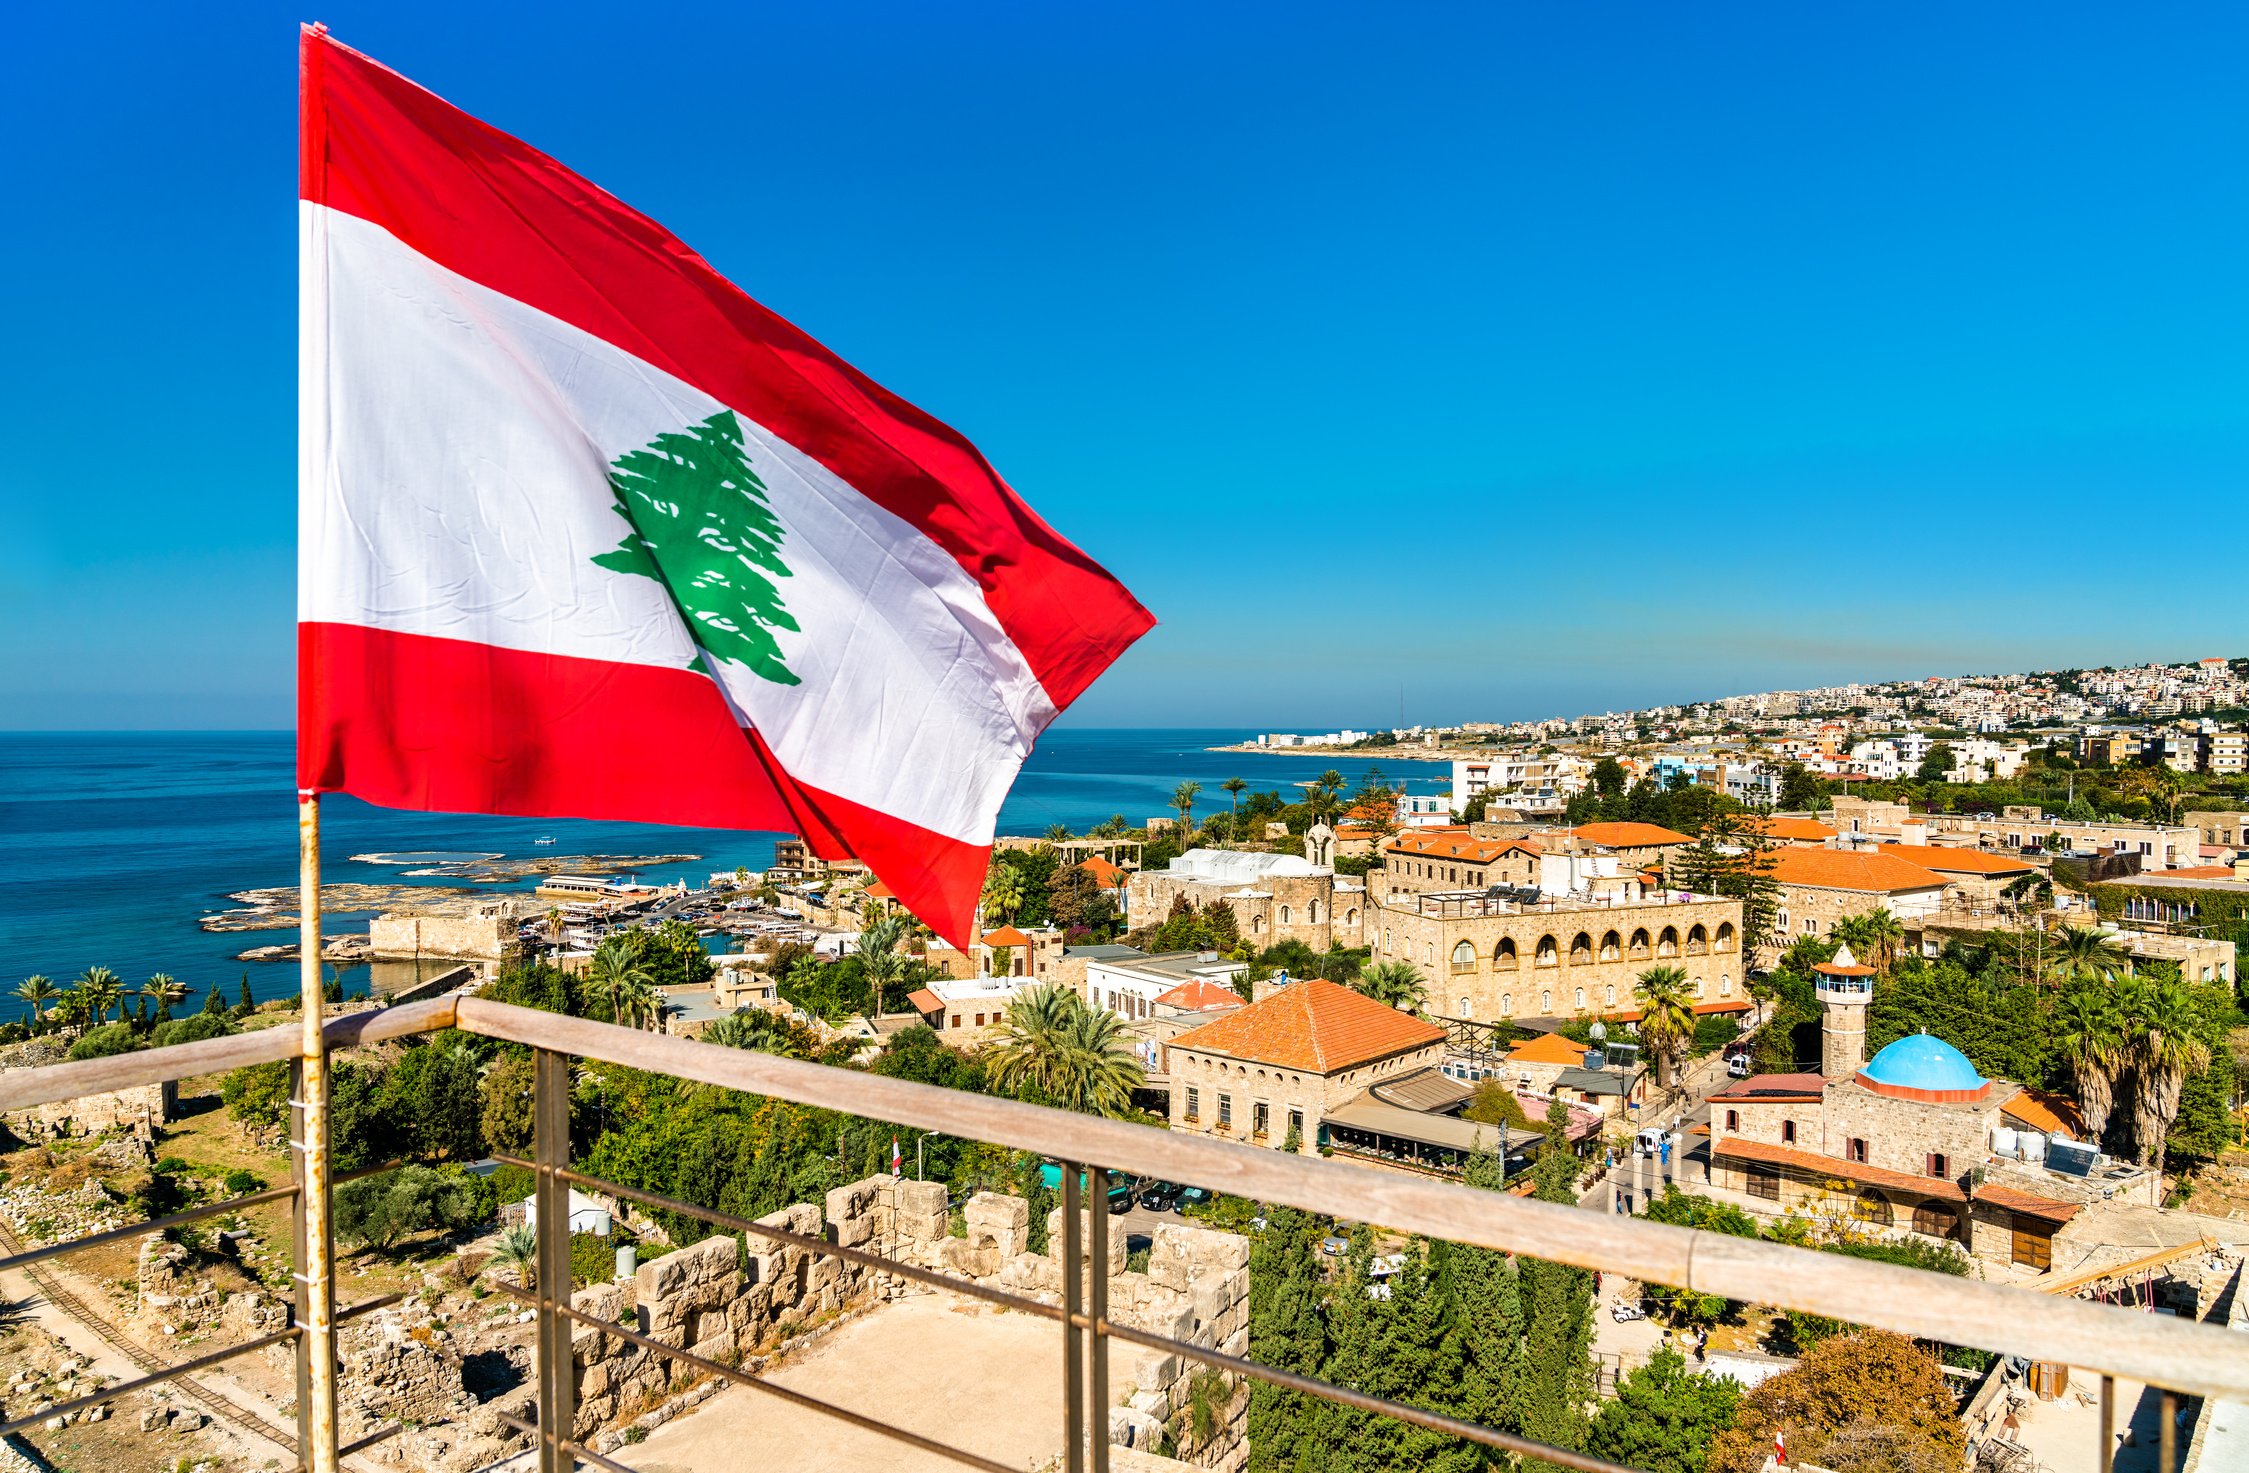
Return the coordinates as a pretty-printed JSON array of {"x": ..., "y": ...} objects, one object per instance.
[
  {"x": 1503, "y": 955},
  {"x": 1351, "y": 916},
  {"x": 1284, "y": 915},
  {"x": 1548, "y": 953},
  {"x": 1639, "y": 943},
  {"x": 1698, "y": 989},
  {"x": 1507, "y": 1004},
  {"x": 1667, "y": 944},
  {"x": 1429, "y": 953},
  {"x": 1788, "y": 1132},
  {"x": 1725, "y": 984},
  {"x": 1546, "y": 1002},
  {"x": 1581, "y": 999},
  {"x": 1464, "y": 1005},
  {"x": 1726, "y": 935},
  {"x": 1464, "y": 958},
  {"x": 1312, "y": 913},
  {"x": 1780, "y": 921},
  {"x": 1698, "y": 942},
  {"x": 1386, "y": 940},
  {"x": 1581, "y": 949},
  {"x": 1256, "y": 925},
  {"x": 1608, "y": 997},
  {"x": 1611, "y": 947},
  {"x": 1873, "y": 1207}
]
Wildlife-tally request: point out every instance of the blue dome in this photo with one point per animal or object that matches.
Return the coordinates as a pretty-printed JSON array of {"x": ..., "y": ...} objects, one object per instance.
[{"x": 1919, "y": 1061}]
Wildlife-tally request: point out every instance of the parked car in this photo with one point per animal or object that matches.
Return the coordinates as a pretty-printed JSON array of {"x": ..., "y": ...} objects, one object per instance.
[
  {"x": 1740, "y": 1067},
  {"x": 1192, "y": 1197},
  {"x": 1334, "y": 1247},
  {"x": 1120, "y": 1195},
  {"x": 1159, "y": 1196}
]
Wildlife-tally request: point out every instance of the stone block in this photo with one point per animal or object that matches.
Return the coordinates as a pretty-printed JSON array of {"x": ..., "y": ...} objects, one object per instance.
[
  {"x": 924, "y": 1227},
  {"x": 998, "y": 1221},
  {"x": 1151, "y": 1371},
  {"x": 964, "y": 1257},
  {"x": 920, "y": 1198},
  {"x": 716, "y": 1347},
  {"x": 850, "y": 1232}
]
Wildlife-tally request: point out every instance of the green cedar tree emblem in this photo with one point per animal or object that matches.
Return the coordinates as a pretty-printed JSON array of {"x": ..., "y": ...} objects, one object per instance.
[{"x": 702, "y": 528}]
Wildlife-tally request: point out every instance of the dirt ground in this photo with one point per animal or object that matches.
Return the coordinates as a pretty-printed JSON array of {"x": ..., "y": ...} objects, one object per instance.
[{"x": 981, "y": 1378}]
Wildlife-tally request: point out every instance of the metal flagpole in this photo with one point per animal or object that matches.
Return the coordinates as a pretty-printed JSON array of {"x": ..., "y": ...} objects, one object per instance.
[{"x": 317, "y": 1271}]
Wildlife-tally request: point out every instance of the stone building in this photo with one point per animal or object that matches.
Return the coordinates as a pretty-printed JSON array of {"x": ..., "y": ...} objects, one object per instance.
[
  {"x": 1973, "y": 879},
  {"x": 1274, "y": 897},
  {"x": 1455, "y": 859},
  {"x": 1486, "y": 958},
  {"x": 1901, "y": 1144},
  {"x": 1818, "y": 887},
  {"x": 1285, "y": 1061},
  {"x": 488, "y": 933},
  {"x": 1649, "y": 845}
]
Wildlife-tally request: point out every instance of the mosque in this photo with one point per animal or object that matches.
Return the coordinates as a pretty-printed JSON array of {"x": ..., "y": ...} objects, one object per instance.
[{"x": 1912, "y": 1141}]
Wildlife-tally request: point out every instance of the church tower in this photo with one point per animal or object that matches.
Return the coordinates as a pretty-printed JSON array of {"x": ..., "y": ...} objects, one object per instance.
[
  {"x": 1319, "y": 845},
  {"x": 1844, "y": 989}
]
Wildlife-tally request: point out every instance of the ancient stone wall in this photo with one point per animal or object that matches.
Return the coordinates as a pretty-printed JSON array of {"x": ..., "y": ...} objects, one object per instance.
[
  {"x": 740, "y": 1303},
  {"x": 138, "y": 1110}
]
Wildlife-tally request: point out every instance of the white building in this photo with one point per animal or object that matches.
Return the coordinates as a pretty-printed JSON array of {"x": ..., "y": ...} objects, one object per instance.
[{"x": 1129, "y": 986}]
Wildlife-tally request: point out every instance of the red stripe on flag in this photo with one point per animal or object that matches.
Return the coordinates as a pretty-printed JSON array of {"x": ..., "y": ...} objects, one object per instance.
[
  {"x": 491, "y": 208},
  {"x": 451, "y": 726}
]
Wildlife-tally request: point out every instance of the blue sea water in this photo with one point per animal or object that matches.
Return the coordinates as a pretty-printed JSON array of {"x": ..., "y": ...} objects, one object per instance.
[{"x": 114, "y": 844}]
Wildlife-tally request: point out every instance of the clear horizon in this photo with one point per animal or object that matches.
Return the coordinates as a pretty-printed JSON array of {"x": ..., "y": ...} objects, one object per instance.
[{"x": 1491, "y": 365}]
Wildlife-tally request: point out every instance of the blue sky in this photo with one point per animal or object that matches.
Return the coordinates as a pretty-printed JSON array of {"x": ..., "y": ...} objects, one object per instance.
[{"x": 1505, "y": 359}]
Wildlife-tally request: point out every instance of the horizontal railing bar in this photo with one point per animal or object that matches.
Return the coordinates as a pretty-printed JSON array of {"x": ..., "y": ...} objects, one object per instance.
[
  {"x": 154, "y": 1378},
  {"x": 53, "y": 1083},
  {"x": 142, "y": 1229},
  {"x": 1383, "y": 1406},
  {"x": 813, "y": 1245},
  {"x": 576, "y": 1450},
  {"x": 755, "y": 1383},
  {"x": 2156, "y": 1350},
  {"x": 367, "y": 1306},
  {"x": 381, "y": 1434}
]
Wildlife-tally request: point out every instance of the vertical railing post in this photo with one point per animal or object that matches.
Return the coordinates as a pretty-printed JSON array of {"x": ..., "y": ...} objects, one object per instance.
[
  {"x": 1097, "y": 1342},
  {"x": 1073, "y": 1301},
  {"x": 2107, "y": 1457},
  {"x": 558, "y": 1400}
]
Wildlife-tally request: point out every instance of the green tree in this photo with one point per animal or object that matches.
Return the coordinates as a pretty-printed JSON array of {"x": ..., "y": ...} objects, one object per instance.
[
  {"x": 2085, "y": 954},
  {"x": 1232, "y": 788},
  {"x": 1667, "y": 1018},
  {"x": 257, "y": 1095},
  {"x": 2090, "y": 1033},
  {"x": 518, "y": 1249},
  {"x": 1870, "y": 1402},
  {"x": 1070, "y": 1055},
  {"x": 382, "y": 1211},
  {"x": 1557, "y": 1373},
  {"x": 1662, "y": 1417},
  {"x": 1937, "y": 765},
  {"x": 505, "y": 1108},
  {"x": 764, "y": 1033},
  {"x": 1003, "y": 892},
  {"x": 884, "y": 966},
  {"x": 1484, "y": 1294},
  {"x": 1394, "y": 984},
  {"x": 102, "y": 991},
  {"x": 109, "y": 1038},
  {"x": 1183, "y": 799},
  {"x": 2168, "y": 1047},
  {"x": 165, "y": 991},
  {"x": 620, "y": 984},
  {"x": 1287, "y": 1331},
  {"x": 36, "y": 991}
]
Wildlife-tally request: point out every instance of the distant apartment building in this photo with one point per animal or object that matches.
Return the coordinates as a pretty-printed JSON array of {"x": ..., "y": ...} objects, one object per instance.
[{"x": 2225, "y": 753}]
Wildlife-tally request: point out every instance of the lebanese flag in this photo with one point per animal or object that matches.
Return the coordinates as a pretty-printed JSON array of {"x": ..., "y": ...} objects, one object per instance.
[{"x": 586, "y": 532}]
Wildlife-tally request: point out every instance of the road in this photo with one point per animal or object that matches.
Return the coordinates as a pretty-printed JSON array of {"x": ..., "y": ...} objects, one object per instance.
[{"x": 1638, "y": 1178}]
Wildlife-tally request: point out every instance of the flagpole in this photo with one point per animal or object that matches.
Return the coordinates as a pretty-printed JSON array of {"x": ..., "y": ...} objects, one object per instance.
[{"x": 318, "y": 1269}]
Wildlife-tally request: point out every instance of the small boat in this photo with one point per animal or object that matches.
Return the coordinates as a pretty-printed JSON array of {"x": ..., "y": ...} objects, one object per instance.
[{"x": 544, "y": 839}]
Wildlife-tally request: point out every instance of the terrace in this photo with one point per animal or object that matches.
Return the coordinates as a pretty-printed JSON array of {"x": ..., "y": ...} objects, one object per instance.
[{"x": 2106, "y": 1343}]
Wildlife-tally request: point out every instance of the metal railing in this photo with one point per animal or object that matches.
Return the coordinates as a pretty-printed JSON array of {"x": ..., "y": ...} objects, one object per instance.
[{"x": 2179, "y": 1358}]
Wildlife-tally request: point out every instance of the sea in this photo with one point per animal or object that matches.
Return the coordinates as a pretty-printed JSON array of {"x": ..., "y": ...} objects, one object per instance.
[{"x": 113, "y": 845}]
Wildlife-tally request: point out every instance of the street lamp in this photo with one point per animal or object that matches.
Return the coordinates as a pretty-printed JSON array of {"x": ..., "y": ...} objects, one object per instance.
[{"x": 925, "y": 1135}]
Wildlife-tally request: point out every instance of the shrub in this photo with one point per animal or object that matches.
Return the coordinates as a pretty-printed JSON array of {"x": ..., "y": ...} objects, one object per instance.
[
  {"x": 593, "y": 1258},
  {"x": 382, "y": 1210},
  {"x": 241, "y": 1182},
  {"x": 110, "y": 1038},
  {"x": 257, "y": 1095},
  {"x": 193, "y": 1028}
]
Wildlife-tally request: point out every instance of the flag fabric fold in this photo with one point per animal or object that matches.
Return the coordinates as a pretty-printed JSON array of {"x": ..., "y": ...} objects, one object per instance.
[{"x": 587, "y": 532}]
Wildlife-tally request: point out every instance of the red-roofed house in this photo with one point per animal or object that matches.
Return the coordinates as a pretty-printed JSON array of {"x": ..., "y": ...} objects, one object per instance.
[
  {"x": 1818, "y": 887},
  {"x": 1282, "y": 1063}
]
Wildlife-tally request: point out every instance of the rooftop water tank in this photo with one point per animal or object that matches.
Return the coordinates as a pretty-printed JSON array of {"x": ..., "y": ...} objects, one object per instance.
[
  {"x": 2004, "y": 1141},
  {"x": 2034, "y": 1145}
]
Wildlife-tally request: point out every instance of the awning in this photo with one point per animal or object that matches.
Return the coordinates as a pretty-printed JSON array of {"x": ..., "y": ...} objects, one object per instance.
[
  {"x": 1424, "y": 1090},
  {"x": 924, "y": 1001},
  {"x": 1443, "y": 1131}
]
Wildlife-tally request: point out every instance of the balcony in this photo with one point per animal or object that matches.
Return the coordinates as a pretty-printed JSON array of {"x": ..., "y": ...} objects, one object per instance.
[{"x": 2186, "y": 1358}]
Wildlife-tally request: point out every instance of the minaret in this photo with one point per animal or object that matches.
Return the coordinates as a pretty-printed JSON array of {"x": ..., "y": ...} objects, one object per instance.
[{"x": 1844, "y": 988}]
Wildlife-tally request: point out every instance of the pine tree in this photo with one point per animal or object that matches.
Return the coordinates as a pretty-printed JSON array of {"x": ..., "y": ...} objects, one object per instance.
[
  {"x": 214, "y": 1003},
  {"x": 246, "y": 1006},
  {"x": 1557, "y": 1375},
  {"x": 1662, "y": 1418},
  {"x": 1288, "y": 1331},
  {"x": 701, "y": 526},
  {"x": 1484, "y": 1305}
]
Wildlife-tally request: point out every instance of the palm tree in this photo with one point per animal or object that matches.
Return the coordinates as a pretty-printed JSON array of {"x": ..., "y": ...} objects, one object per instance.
[
  {"x": 102, "y": 991},
  {"x": 37, "y": 990},
  {"x": 164, "y": 990},
  {"x": 553, "y": 919},
  {"x": 618, "y": 976},
  {"x": 1075, "y": 1056},
  {"x": 1667, "y": 1018},
  {"x": 1232, "y": 788},
  {"x": 1883, "y": 938},
  {"x": 2166, "y": 1051},
  {"x": 1057, "y": 832},
  {"x": 2084, "y": 954},
  {"x": 519, "y": 1250},
  {"x": 1393, "y": 984},
  {"x": 759, "y": 1032},
  {"x": 1183, "y": 799},
  {"x": 883, "y": 963},
  {"x": 2092, "y": 1040},
  {"x": 1003, "y": 891}
]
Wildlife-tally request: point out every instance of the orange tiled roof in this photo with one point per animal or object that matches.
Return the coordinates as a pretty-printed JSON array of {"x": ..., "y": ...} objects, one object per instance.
[
  {"x": 1550, "y": 1048},
  {"x": 925, "y": 1001},
  {"x": 1105, "y": 874},
  {"x": 1958, "y": 861},
  {"x": 1006, "y": 936},
  {"x": 1702, "y": 1009},
  {"x": 2043, "y": 1110},
  {"x": 2197, "y": 872},
  {"x": 1830, "y": 869},
  {"x": 1627, "y": 835},
  {"x": 1457, "y": 844},
  {"x": 1199, "y": 993},
  {"x": 1864, "y": 1175},
  {"x": 1318, "y": 1026},
  {"x": 2026, "y": 1203},
  {"x": 879, "y": 891},
  {"x": 1794, "y": 830}
]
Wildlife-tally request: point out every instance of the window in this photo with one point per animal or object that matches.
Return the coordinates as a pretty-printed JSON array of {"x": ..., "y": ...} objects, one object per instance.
[
  {"x": 1855, "y": 1151},
  {"x": 1788, "y": 1132},
  {"x": 1581, "y": 999},
  {"x": 1725, "y": 984},
  {"x": 1194, "y": 1103},
  {"x": 1284, "y": 915},
  {"x": 1260, "y": 1116},
  {"x": 1312, "y": 913},
  {"x": 1937, "y": 1164},
  {"x": 1507, "y": 1004},
  {"x": 979, "y": 1020},
  {"x": 1296, "y": 1124},
  {"x": 1225, "y": 1111},
  {"x": 956, "y": 1020},
  {"x": 1733, "y": 1120},
  {"x": 1464, "y": 957},
  {"x": 1762, "y": 1181},
  {"x": 1811, "y": 925},
  {"x": 1546, "y": 1002},
  {"x": 1463, "y": 1005},
  {"x": 1503, "y": 955},
  {"x": 1872, "y": 1207},
  {"x": 1548, "y": 952},
  {"x": 1936, "y": 1220},
  {"x": 1608, "y": 995}
]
